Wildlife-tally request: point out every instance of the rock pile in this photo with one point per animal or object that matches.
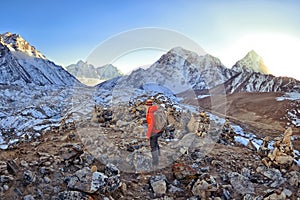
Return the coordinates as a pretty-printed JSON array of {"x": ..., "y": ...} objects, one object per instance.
[
  {"x": 227, "y": 134},
  {"x": 199, "y": 124},
  {"x": 87, "y": 181},
  {"x": 283, "y": 153},
  {"x": 112, "y": 160},
  {"x": 101, "y": 114}
]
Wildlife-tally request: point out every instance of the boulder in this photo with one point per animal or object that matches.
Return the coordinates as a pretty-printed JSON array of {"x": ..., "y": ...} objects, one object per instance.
[
  {"x": 204, "y": 186},
  {"x": 275, "y": 175},
  {"x": 90, "y": 182},
  {"x": 73, "y": 195},
  {"x": 293, "y": 178},
  {"x": 158, "y": 184},
  {"x": 28, "y": 177},
  {"x": 241, "y": 184}
]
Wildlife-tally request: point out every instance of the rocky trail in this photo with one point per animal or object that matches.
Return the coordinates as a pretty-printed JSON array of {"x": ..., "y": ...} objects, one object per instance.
[{"x": 108, "y": 157}]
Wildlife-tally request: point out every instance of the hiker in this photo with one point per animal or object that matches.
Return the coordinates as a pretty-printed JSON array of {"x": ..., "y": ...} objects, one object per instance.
[{"x": 152, "y": 133}]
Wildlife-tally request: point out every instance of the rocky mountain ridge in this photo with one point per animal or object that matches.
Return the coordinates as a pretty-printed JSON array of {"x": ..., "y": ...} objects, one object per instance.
[
  {"x": 204, "y": 73},
  {"x": 21, "y": 63},
  {"x": 84, "y": 70}
]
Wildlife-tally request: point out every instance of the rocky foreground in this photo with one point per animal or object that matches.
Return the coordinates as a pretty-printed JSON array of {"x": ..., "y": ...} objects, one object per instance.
[{"x": 109, "y": 158}]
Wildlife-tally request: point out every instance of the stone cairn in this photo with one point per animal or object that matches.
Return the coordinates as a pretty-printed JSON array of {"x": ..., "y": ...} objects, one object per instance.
[
  {"x": 102, "y": 115},
  {"x": 283, "y": 153},
  {"x": 199, "y": 124},
  {"x": 227, "y": 134},
  {"x": 204, "y": 124}
]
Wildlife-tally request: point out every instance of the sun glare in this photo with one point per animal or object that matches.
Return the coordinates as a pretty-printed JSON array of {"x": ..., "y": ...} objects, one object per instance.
[{"x": 279, "y": 52}]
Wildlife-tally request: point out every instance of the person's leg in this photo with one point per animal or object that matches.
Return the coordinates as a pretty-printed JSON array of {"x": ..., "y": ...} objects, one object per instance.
[
  {"x": 158, "y": 147},
  {"x": 154, "y": 149}
]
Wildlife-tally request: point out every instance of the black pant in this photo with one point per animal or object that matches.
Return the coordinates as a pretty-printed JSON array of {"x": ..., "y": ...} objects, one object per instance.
[{"x": 155, "y": 148}]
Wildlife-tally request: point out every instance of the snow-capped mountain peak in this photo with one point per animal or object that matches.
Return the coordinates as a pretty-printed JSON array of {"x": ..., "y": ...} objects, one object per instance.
[
  {"x": 252, "y": 62},
  {"x": 184, "y": 53},
  {"x": 21, "y": 64},
  {"x": 180, "y": 70},
  {"x": 16, "y": 43}
]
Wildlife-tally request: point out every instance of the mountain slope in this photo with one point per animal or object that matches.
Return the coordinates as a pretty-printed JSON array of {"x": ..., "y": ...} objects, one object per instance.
[
  {"x": 180, "y": 70},
  {"x": 257, "y": 82},
  {"x": 21, "y": 63},
  {"x": 253, "y": 76}
]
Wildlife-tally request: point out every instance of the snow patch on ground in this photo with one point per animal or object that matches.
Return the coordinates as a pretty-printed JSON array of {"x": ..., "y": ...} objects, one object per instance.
[
  {"x": 203, "y": 96},
  {"x": 293, "y": 96}
]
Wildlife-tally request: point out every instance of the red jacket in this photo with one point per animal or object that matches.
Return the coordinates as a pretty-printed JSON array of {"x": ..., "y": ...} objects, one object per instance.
[{"x": 151, "y": 121}]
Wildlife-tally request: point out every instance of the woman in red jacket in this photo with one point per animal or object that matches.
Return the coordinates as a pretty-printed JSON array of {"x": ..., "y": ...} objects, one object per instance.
[{"x": 152, "y": 134}]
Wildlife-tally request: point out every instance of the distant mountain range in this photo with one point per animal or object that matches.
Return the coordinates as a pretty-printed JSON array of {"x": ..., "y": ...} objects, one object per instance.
[
  {"x": 21, "y": 63},
  {"x": 84, "y": 71},
  {"x": 36, "y": 93},
  {"x": 179, "y": 70}
]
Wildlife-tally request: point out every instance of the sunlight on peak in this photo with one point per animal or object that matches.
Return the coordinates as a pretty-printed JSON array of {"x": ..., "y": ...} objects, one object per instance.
[{"x": 280, "y": 52}]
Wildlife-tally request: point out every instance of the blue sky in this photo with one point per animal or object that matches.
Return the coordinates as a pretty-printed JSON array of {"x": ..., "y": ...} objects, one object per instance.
[{"x": 66, "y": 31}]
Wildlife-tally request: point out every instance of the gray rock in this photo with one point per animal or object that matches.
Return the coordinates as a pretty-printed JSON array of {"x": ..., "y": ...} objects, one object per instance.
[
  {"x": 246, "y": 172},
  {"x": 23, "y": 163},
  {"x": 90, "y": 182},
  {"x": 226, "y": 194},
  {"x": 174, "y": 189},
  {"x": 157, "y": 178},
  {"x": 6, "y": 179},
  {"x": 86, "y": 181},
  {"x": 28, "y": 177},
  {"x": 87, "y": 158},
  {"x": 248, "y": 197},
  {"x": 112, "y": 183},
  {"x": 28, "y": 197},
  {"x": 240, "y": 183},
  {"x": 111, "y": 170},
  {"x": 5, "y": 187},
  {"x": 142, "y": 162},
  {"x": 47, "y": 179},
  {"x": 3, "y": 166},
  {"x": 275, "y": 175},
  {"x": 193, "y": 198},
  {"x": 98, "y": 181},
  {"x": 39, "y": 194},
  {"x": 293, "y": 178},
  {"x": 73, "y": 195},
  {"x": 287, "y": 192},
  {"x": 158, "y": 184},
  {"x": 159, "y": 187}
]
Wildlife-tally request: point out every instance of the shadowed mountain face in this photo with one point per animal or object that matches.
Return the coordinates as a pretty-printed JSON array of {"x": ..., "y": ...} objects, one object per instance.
[{"x": 21, "y": 63}]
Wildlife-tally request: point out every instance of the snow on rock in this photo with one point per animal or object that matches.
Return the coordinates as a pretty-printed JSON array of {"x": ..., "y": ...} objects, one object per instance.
[
  {"x": 178, "y": 70},
  {"x": 21, "y": 63}
]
